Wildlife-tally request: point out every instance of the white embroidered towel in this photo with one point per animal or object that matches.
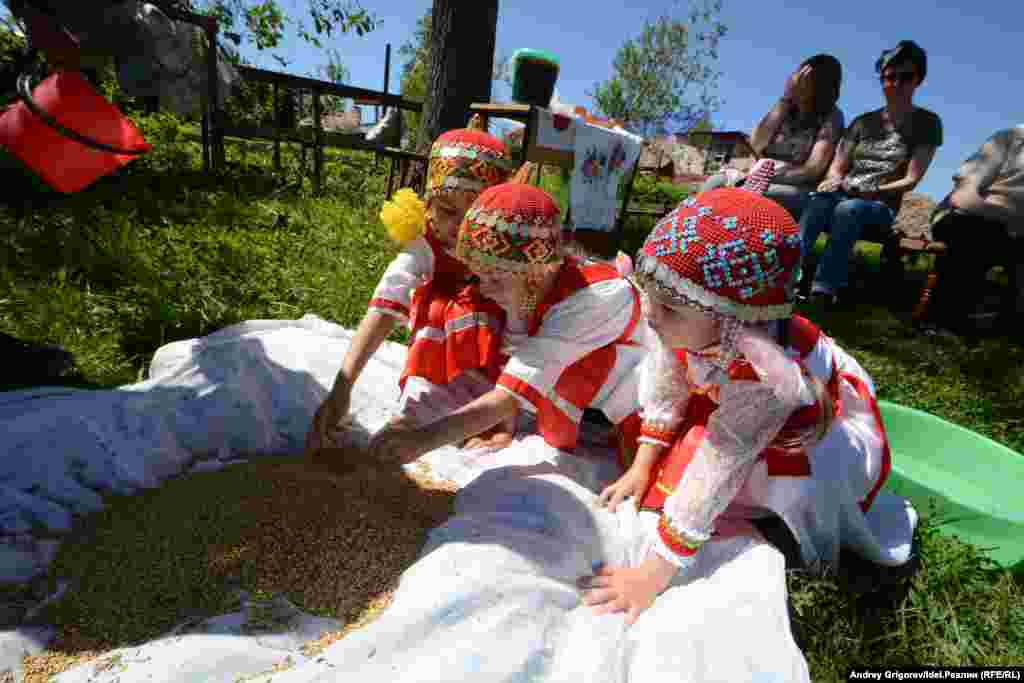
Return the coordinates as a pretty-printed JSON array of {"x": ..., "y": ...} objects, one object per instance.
[{"x": 602, "y": 157}]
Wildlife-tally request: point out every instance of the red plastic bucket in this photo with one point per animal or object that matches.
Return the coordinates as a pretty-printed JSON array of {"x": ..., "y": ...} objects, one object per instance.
[{"x": 68, "y": 134}]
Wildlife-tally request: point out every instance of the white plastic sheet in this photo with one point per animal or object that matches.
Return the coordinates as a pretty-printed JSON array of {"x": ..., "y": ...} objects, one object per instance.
[{"x": 492, "y": 596}]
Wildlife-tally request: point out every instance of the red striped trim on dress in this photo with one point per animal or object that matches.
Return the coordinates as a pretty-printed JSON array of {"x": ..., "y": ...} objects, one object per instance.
[
  {"x": 862, "y": 390},
  {"x": 521, "y": 388},
  {"x": 661, "y": 436},
  {"x": 388, "y": 305}
]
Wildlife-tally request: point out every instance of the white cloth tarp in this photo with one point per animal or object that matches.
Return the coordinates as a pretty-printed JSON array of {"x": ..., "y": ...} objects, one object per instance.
[
  {"x": 493, "y": 594},
  {"x": 249, "y": 389},
  {"x": 493, "y": 598}
]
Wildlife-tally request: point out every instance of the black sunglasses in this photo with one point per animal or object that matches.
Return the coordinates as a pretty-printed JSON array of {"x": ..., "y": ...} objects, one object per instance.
[{"x": 898, "y": 77}]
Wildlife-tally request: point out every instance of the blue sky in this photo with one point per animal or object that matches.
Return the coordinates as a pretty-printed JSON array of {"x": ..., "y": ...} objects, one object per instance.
[{"x": 971, "y": 48}]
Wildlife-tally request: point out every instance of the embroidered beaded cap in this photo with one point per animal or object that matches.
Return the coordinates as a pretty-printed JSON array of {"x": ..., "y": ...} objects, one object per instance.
[
  {"x": 467, "y": 159},
  {"x": 512, "y": 228},
  {"x": 728, "y": 251}
]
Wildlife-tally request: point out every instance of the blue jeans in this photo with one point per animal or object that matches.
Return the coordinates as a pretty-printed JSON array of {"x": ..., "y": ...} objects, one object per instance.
[
  {"x": 790, "y": 197},
  {"x": 845, "y": 218}
]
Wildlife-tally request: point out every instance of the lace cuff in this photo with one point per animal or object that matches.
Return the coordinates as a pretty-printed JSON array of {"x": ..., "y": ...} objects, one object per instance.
[
  {"x": 663, "y": 551},
  {"x": 664, "y": 442},
  {"x": 663, "y": 393},
  {"x": 685, "y": 543}
]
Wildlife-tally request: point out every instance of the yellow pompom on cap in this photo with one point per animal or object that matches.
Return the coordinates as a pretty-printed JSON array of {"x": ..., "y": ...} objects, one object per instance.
[{"x": 404, "y": 217}]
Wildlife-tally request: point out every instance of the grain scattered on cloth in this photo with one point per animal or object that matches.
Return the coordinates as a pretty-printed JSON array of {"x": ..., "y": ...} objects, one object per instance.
[{"x": 332, "y": 537}]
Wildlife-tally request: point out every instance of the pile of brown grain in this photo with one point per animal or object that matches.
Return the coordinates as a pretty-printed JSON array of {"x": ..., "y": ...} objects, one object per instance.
[{"x": 333, "y": 542}]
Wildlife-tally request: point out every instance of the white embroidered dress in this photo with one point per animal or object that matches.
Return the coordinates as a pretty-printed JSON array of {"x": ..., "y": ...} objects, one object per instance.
[
  {"x": 727, "y": 480},
  {"x": 586, "y": 320}
]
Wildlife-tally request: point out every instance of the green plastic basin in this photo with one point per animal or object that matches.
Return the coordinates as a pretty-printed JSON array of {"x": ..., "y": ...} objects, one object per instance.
[{"x": 976, "y": 483}]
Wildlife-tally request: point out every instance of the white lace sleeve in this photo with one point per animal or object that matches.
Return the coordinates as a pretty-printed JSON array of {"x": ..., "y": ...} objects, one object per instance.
[
  {"x": 750, "y": 415},
  {"x": 663, "y": 394}
]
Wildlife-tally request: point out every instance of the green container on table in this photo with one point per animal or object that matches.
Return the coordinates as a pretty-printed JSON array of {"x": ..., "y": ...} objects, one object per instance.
[{"x": 534, "y": 73}]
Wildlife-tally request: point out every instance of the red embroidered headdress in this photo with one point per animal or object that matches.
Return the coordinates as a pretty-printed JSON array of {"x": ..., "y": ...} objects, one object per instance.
[
  {"x": 468, "y": 159},
  {"x": 731, "y": 252},
  {"x": 513, "y": 228}
]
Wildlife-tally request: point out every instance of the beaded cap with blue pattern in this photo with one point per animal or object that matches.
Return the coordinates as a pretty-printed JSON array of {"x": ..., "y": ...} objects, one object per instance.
[{"x": 728, "y": 251}]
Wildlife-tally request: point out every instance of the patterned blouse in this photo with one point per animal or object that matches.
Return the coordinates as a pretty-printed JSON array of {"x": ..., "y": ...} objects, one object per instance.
[
  {"x": 750, "y": 415},
  {"x": 879, "y": 155},
  {"x": 797, "y": 134}
]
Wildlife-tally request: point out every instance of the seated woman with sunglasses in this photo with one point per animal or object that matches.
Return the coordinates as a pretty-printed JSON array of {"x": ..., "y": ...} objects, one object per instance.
[{"x": 883, "y": 154}]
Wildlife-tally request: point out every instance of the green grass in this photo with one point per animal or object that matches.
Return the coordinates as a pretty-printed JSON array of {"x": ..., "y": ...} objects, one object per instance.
[
  {"x": 977, "y": 382},
  {"x": 151, "y": 255},
  {"x": 957, "y": 610},
  {"x": 161, "y": 251}
]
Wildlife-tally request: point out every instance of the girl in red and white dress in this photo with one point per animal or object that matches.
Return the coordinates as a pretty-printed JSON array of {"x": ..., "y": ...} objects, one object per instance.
[
  {"x": 747, "y": 410},
  {"x": 572, "y": 337},
  {"x": 455, "y": 331}
]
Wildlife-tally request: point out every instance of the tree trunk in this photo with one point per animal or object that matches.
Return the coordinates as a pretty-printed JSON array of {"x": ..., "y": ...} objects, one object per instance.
[{"x": 461, "y": 66}]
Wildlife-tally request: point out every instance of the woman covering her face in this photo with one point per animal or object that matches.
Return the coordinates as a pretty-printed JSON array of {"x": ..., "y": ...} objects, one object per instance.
[{"x": 799, "y": 134}]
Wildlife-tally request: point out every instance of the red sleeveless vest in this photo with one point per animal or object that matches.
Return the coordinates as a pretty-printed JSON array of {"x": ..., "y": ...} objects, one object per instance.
[
  {"x": 560, "y": 413},
  {"x": 781, "y": 458},
  {"x": 454, "y": 327}
]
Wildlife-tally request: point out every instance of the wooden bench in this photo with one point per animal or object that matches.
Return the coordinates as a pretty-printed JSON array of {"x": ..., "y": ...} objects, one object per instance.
[{"x": 313, "y": 136}]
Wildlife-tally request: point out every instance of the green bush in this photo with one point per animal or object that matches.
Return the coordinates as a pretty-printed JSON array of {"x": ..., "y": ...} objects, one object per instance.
[
  {"x": 170, "y": 150},
  {"x": 650, "y": 190}
]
